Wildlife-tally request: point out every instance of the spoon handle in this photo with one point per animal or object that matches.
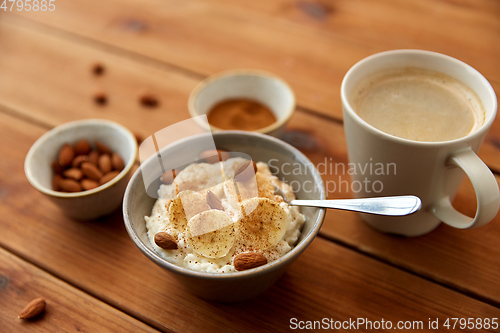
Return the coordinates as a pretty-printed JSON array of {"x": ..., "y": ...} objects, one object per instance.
[{"x": 392, "y": 206}]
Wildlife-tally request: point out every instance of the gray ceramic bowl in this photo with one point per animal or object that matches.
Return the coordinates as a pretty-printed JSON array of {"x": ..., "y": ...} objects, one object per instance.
[
  {"x": 237, "y": 286},
  {"x": 90, "y": 204}
]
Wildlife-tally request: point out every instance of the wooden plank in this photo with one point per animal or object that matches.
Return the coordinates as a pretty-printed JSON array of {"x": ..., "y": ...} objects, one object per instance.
[
  {"x": 311, "y": 44},
  {"x": 68, "y": 309},
  {"x": 99, "y": 258},
  {"x": 466, "y": 29},
  {"x": 48, "y": 78}
]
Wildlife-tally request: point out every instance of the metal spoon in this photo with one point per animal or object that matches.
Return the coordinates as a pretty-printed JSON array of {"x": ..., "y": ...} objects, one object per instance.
[{"x": 391, "y": 206}]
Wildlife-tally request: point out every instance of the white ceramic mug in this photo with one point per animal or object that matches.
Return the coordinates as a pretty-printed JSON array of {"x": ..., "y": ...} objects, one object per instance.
[{"x": 430, "y": 170}]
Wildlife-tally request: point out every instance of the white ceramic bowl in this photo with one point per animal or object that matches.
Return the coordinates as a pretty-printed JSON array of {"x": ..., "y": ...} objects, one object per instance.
[
  {"x": 90, "y": 204},
  {"x": 260, "y": 86},
  {"x": 235, "y": 286}
]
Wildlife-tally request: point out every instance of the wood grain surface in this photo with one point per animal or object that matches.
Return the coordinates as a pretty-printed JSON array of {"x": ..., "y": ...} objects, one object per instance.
[
  {"x": 68, "y": 309},
  {"x": 165, "y": 48}
]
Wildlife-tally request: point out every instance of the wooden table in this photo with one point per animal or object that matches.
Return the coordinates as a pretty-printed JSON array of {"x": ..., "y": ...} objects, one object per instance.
[{"x": 93, "y": 276}]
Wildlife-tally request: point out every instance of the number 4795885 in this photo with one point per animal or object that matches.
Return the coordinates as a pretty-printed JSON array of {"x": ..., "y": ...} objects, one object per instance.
[{"x": 28, "y": 5}]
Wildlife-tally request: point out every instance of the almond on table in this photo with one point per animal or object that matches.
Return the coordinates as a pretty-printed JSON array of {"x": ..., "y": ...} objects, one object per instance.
[{"x": 33, "y": 309}]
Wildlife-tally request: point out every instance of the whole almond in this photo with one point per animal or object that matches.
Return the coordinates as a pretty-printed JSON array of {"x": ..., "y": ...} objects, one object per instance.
[
  {"x": 88, "y": 184},
  {"x": 248, "y": 260},
  {"x": 245, "y": 171},
  {"x": 214, "y": 201},
  {"x": 57, "y": 168},
  {"x": 66, "y": 155},
  {"x": 56, "y": 180},
  {"x": 165, "y": 241},
  {"x": 138, "y": 137},
  {"x": 102, "y": 148},
  {"x": 77, "y": 161},
  {"x": 91, "y": 171},
  {"x": 70, "y": 185},
  {"x": 168, "y": 177},
  {"x": 34, "y": 308},
  {"x": 93, "y": 157},
  {"x": 82, "y": 147},
  {"x": 73, "y": 173},
  {"x": 117, "y": 162},
  {"x": 214, "y": 156},
  {"x": 107, "y": 177},
  {"x": 104, "y": 163},
  {"x": 148, "y": 100}
]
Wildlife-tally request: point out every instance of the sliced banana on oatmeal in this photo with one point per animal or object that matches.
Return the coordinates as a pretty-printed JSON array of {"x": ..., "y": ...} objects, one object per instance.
[
  {"x": 263, "y": 224},
  {"x": 237, "y": 192},
  {"x": 211, "y": 233},
  {"x": 184, "y": 206}
]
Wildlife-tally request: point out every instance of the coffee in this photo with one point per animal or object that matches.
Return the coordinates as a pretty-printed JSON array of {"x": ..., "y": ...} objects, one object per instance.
[{"x": 418, "y": 104}]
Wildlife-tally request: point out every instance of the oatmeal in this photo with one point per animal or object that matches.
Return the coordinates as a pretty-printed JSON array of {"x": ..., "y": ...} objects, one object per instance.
[{"x": 214, "y": 218}]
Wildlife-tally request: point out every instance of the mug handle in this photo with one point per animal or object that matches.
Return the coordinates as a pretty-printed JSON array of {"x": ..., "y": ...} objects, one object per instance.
[{"x": 485, "y": 186}]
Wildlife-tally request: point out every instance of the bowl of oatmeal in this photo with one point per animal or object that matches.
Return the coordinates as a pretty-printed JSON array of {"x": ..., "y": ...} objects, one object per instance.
[{"x": 218, "y": 226}]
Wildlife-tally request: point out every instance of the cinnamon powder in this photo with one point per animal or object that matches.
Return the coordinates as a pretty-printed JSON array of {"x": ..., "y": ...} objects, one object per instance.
[{"x": 240, "y": 114}]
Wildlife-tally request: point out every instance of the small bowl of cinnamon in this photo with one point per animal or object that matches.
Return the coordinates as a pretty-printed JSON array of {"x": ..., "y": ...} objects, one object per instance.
[{"x": 243, "y": 99}]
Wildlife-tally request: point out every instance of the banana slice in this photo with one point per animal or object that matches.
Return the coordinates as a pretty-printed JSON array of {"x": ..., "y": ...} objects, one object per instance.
[
  {"x": 211, "y": 233},
  {"x": 184, "y": 206},
  {"x": 240, "y": 192},
  {"x": 263, "y": 224}
]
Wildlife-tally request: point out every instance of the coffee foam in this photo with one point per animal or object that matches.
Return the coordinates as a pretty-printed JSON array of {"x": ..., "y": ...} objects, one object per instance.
[{"x": 418, "y": 104}]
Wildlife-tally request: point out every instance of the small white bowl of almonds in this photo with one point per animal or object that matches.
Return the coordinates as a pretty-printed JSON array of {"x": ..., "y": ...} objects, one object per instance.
[
  {"x": 83, "y": 166},
  {"x": 217, "y": 223}
]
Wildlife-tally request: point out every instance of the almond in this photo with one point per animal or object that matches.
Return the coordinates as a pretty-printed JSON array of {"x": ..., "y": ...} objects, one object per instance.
[
  {"x": 214, "y": 156},
  {"x": 57, "y": 168},
  {"x": 214, "y": 201},
  {"x": 73, "y": 173},
  {"x": 94, "y": 157},
  {"x": 138, "y": 137},
  {"x": 148, "y": 100},
  {"x": 88, "y": 184},
  {"x": 168, "y": 177},
  {"x": 91, "y": 171},
  {"x": 165, "y": 241},
  {"x": 107, "y": 177},
  {"x": 98, "y": 69},
  {"x": 66, "y": 155},
  {"x": 248, "y": 260},
  {"x": 56, "y": 182},
  {"x": 70, "y": 185},
  {"x": 82, "y": 147},
  {"x": 77, "y": 161},
  {"x": 100, "y": 98},
  {"x": 245, "y": 171},
  {"x": 117, "y": 162},
  {"x": 34, "y": 308},
  {"x": 104, "y": 163},
  {"x": 102, "y": 148}
]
